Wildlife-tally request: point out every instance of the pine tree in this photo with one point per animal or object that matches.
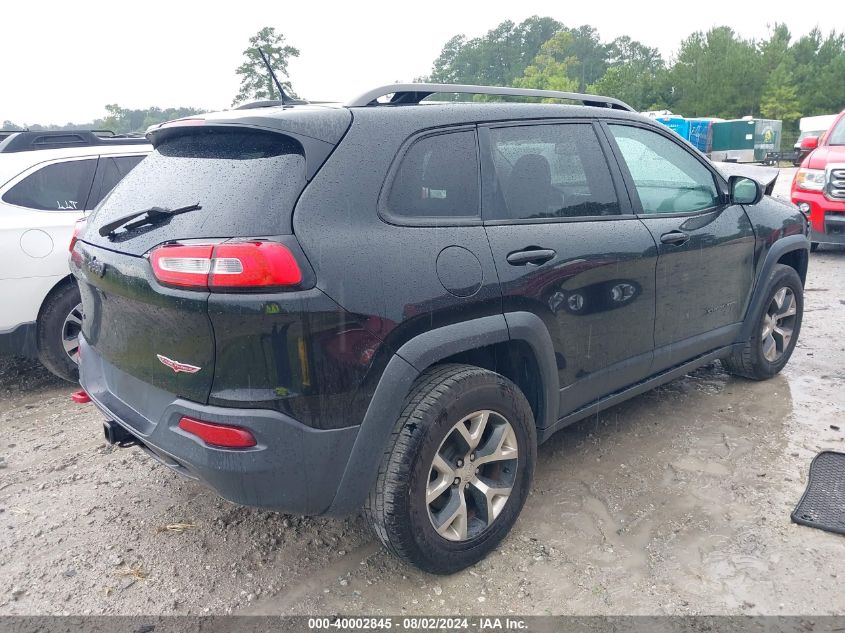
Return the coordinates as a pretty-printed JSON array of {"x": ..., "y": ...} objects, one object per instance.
[{"x": 256, "y": 82}]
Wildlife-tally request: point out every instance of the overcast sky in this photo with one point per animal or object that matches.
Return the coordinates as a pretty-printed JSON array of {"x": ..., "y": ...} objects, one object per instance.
[{"x": 63, "y": 61}]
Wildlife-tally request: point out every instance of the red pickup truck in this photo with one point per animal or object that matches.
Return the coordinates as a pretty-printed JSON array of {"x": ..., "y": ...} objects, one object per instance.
[{"x": 819, "y": 185}]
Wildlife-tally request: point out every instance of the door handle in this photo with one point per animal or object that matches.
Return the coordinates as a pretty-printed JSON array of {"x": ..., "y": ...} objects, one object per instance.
[
  {"x": 675, "y": 238},
  {"x": 530, "y": 256}
]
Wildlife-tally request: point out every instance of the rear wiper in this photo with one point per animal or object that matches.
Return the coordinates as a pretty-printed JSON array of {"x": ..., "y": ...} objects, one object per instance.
[{"x": 147, "y": 216}]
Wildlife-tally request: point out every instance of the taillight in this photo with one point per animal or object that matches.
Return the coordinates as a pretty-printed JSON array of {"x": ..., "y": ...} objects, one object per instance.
[
  {"x": 221, "y": 435},
  {"x": 77, "y": 231},
  {"x": 179, "y": 265},
  {"x": 236, "y": 265},
  {"x": 245, "y": 264}
]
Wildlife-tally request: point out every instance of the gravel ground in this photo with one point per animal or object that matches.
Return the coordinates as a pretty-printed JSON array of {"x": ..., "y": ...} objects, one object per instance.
[{"x": 676, "y": 502}]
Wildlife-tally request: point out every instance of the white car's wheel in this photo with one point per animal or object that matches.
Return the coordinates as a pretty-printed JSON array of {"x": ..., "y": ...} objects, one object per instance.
[{"x": 59, "y": 325}]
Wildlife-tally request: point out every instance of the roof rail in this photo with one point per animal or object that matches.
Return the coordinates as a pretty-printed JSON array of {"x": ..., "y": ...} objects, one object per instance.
[
  {"x": 30, "y": 140},
  {"x": 416, "y": 92}
]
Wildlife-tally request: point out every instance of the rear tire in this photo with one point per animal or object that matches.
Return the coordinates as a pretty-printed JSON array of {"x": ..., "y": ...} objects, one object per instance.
[
  {"x": 58, "y": 325},
  {"x": 775, "y": 331},
  {"x": 413, "y": 502},
  {"x": 814, "y": 246}
]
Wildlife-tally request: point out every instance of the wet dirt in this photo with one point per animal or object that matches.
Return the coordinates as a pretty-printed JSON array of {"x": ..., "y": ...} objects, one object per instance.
[{"x": 675, "y": 502}]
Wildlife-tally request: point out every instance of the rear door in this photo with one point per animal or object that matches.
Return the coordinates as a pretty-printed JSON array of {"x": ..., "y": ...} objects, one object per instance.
[
  {"x": 705, "y": 266},
  {"x": 136, "y": 326},
  {"x": 245, "y": 183},
  {"x": 568, "y": 249}
]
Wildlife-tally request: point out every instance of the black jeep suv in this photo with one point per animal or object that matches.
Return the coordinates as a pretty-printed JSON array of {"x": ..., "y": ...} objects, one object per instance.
[{"x": 389, "y": 304}]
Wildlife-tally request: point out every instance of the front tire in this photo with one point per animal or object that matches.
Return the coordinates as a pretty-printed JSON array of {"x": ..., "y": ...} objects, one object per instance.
[
  {"x": 457, "y": 469},
  {"x": 59, "y": 324},
  {"x": 775, "y": 331}
]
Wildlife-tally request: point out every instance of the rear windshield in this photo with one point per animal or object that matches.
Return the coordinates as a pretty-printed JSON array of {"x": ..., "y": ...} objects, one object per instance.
[{"x": 246, "y": 182}]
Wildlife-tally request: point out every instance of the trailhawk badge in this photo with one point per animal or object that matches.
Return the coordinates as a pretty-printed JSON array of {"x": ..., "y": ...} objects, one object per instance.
[{"x": 176, "y": 366}]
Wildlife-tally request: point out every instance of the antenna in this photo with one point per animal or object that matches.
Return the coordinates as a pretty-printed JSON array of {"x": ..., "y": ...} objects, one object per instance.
[{"x": 282, "y": 96}]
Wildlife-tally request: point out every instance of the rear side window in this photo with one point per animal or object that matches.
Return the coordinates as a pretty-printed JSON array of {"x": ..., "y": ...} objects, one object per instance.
[
  {"x": 58, "y": 187},
  {"x": 550, "y": 171},
  {"x": 112, "y": 171},
  {"x": 247, "y": 183},
  {"x": 437, "y": 178}
]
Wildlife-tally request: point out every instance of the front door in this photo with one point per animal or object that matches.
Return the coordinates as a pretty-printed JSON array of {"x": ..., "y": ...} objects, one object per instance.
[
  {"x": 567, "y": 248},
  {"x": 706, "y": 245}
]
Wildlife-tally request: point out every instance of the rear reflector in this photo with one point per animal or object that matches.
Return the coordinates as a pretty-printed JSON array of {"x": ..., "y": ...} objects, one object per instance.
[
  {"x": 219, "y": 435},
  {"x": 80, "y": 397},
  {"x": 230, "y": 265}
]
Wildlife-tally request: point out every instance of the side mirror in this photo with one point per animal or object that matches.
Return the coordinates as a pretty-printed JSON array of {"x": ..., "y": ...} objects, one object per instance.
[
  {"x": 810, "y": 142},
  {"x": 745, "y": 190}
]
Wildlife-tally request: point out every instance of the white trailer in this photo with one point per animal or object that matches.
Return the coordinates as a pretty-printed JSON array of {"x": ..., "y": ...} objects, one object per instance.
[{"x": 814, "y": 126}]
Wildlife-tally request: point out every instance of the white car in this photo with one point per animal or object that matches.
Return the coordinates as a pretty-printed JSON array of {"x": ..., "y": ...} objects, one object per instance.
[{"x": 48, "y": 181}]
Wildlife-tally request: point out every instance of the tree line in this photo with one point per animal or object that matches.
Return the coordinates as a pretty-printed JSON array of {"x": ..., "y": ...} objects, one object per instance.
[
  {"x": 118, "y": 120},
  {"x": 715, "y": 73}
]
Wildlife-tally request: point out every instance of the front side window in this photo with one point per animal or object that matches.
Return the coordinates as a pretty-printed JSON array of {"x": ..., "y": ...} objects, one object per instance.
[
  {"x": 668, "y": 178},
  {"x": 57, "y": 187},
  {"x": 837, "y": 135},
  {"x": 550, "y": 171},
  {"x": 437, "y": 178}
]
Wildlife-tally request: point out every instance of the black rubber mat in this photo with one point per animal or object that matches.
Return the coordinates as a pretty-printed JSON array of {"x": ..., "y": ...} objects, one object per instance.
[{"x": 823, "y": 503}]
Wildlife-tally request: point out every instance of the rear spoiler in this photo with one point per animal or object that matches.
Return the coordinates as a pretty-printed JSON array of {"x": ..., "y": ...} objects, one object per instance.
[{"x": 316, "y": 151}]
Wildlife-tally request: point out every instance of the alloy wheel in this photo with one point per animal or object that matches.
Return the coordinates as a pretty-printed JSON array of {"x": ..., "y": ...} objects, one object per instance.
[
  {"x": 472, "y": 475},
  {"x": 71, "y": 327},
  {"x": 778, "y": 324}
]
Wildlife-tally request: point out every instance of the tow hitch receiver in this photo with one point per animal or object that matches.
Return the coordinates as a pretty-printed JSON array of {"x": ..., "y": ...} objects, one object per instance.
[
  {"x": 117, "y": 435},
  {"x": 80, "y": 397}
]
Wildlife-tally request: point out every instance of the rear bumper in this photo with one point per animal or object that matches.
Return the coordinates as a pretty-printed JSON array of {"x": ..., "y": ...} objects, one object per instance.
[
  {"x": 827, "y": 218},
  {"x": 19, "y": 341},
  {"x": 293, "y": 468}
]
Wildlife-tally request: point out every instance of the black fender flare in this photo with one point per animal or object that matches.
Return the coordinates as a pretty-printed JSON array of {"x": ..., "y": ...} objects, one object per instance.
[
  {"x": 761, "y": 285},
  {"x": 528, "y": 327},
  {"x": 410, "y": 360}
]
